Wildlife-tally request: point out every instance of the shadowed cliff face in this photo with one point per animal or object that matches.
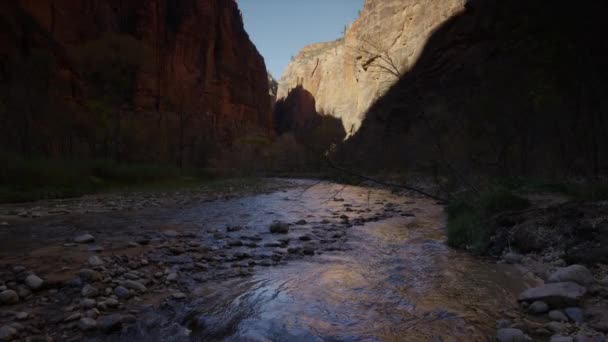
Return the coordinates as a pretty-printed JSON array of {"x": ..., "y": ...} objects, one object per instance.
[
  {"x": 296, "y": 114},
  {"x": 511, "y": 88},
  {"x": 140, "y": 79}
]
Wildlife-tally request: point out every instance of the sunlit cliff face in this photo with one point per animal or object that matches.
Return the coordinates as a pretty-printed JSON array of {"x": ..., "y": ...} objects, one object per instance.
[{"x": 346, "y": 76}]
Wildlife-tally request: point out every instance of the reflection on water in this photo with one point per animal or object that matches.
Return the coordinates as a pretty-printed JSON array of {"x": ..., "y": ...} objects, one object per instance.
[{"x": 395, "y": 281}]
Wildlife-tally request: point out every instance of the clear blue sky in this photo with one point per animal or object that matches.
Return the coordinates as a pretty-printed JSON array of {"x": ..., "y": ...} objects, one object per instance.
[{"x": 280, "y": 28}]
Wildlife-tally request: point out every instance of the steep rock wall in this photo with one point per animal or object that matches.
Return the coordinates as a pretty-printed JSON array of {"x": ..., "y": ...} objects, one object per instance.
[
  {"x": 346, "y": 76},
  {"x": 182, "y": 63}
]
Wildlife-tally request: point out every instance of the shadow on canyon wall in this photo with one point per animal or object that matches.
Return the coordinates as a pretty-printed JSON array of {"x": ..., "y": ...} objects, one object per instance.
[
  {"x": 297, "y": 114},
  {"x": 504, "y": 88}
]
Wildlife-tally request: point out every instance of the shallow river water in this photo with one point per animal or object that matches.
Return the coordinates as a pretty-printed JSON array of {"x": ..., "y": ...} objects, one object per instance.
[{"x": 392, "y": 278}]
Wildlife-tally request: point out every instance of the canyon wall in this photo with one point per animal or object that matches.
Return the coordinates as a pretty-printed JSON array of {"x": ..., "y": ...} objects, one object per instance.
[
  {"x": 504, "y": 88},
  {"x": 348, "y": 75},
  {"x": 130, "y": 79}
]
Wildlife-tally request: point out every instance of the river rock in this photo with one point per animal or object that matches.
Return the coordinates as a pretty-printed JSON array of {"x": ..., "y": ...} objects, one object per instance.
[
  {"x": 135, "y": 285},
  {"x": 558, "y": 316},
  {"x": 556, "y": 327},
  {"x": 122, "y": 292},
  {"x": 89, "y": 291},
  {"x": 511, "y": 335},
  {"x": 575, "y": 314},
  {"x": 559, "y": 338},
  {"x": 87, "y": 324},
  {"x": 94, "y": 261},
  {"x": 604, "y": 282},
  {"x": 581, "y": 337},
  {"x": 88, "y": 303},
  {"x": 85, "y": 238},
  {"x": 34, "y": 282},
  {"x": 279, "y": 228},
  {"x": 89, "y": 275},
  {"x": 7, "y": 333},
  {"x": 9, "y": 297},
  {"x": 22, "y": 316},
  {"x": 538, "y": 307},
  {"x": 556, "y": 295},
  {"x": 112, "y": 303},
  {"x": 513, "y": 258},
  {"x": 576, "y": 273},
  {"x": 171, "y": 233},
  {"x": 110, "y": 323}
]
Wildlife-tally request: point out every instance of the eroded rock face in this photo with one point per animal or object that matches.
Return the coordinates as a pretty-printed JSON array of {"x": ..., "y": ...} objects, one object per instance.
[
  {"x": 193, "y": 59},
  {"x": 346, "y": 76}
]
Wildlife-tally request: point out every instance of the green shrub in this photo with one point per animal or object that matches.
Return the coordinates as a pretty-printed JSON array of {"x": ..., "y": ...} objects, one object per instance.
[{"x": 469, "y": 224}]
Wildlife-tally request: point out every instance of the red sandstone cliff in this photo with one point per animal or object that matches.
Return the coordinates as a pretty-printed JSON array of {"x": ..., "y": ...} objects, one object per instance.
[{"x": 180, "y": 74}]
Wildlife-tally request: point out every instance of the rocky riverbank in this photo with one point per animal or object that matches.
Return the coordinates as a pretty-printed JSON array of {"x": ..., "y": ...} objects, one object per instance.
[
  {"x": 92, "y": 271},
  {"x": 563, "y": 245}
]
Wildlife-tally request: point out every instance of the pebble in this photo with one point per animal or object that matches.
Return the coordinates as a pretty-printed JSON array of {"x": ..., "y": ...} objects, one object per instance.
[
  {"x": 85, "y": 238},
  {"x": 178, "y": 296},
  {"x": 87, "y": 324},
  {"x": 89, "y": 291},
  {"x": 122, "y": 292},
  {"x": 110, "y": 323},
  {"x": 9, "y": 297},
  {"x": 172, "y": 277},
  {"x": 511, "y": 335},
  {"x": 7, "y": 333},
  {"x": 559, "y": 338},
  {"x": 171, "y": 233},
  {"x": 22, "y": 316},
  {"x": 558, "y": 316},
  {"x": 555, "y": 327},
  {"x": 88, "y": 303},
  {"x": 34, "y": 282},
  {"x": 131, "y": 284},
  {"x": 575, "y": 314},
  {"x": 73, "y": 317},
  {"x": 538, "y": 307},
  {"x": 112, "y": 303},
  {"x": 94, "y": 261}
]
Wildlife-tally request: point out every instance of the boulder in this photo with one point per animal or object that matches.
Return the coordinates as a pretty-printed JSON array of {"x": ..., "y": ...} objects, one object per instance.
[
  {"x": 556, "y": 295},
  {"x": 576, "y": 273}
]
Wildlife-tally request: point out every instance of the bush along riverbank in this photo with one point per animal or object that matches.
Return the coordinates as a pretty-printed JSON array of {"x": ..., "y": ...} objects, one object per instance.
[
  {"x": 24, "y": 180},
  {"x": 558, "y": 234}
]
